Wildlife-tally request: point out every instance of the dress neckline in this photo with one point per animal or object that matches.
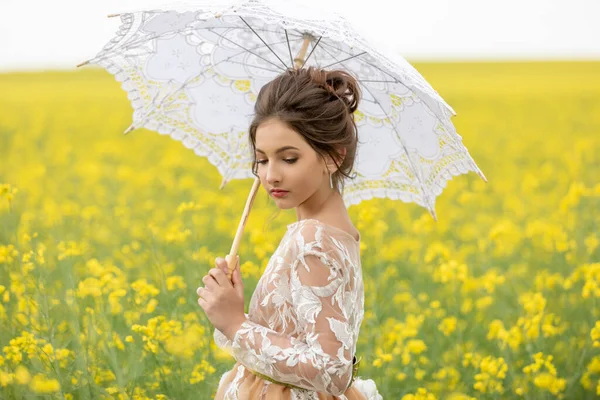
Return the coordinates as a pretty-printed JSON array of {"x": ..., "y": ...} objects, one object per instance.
[{"x": 328, "y": 226}]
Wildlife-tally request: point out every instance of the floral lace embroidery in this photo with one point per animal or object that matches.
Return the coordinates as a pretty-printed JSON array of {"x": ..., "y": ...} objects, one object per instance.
[{"x": 306, "y": 311}]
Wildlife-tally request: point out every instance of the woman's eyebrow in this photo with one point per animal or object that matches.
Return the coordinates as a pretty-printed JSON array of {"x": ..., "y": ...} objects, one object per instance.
[{"x": 280, "y": 150}]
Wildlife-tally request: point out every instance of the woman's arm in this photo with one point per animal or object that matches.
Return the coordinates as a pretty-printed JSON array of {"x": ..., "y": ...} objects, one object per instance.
[
  {"x": 222, "y": 341},
  {"x": 320, "y": 359}
]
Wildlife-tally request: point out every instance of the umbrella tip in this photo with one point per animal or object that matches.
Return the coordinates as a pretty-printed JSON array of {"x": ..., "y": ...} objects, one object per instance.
[
  {"x": 83, "y": 63},
  {"x": 433, "y": 214},
  {"x": 112, "y": 15},
  {"x": 223, "y": 183},
  {"x": 131, "y": 127},
  {"x": 483, "y": 176}
]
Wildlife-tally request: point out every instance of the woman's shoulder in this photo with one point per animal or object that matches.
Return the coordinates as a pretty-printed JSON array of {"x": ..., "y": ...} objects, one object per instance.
[
  {"x": 315, "y": 230},
  {"x": 335, "y": 248},
  {"x": 305, "y": 231}
]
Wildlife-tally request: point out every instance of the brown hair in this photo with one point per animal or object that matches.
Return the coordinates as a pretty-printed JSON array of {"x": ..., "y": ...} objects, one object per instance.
[{"x": 319, "y": 105}]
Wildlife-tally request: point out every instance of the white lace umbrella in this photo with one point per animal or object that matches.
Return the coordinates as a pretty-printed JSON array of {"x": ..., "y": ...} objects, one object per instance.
[{"x": 193, "y": 72}]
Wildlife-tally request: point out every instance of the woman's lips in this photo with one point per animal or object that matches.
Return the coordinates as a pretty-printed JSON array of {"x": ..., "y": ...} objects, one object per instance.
[{"x": 279, "y": 193}]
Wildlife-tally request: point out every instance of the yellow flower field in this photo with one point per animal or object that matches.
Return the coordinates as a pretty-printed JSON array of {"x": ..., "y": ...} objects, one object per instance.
[{"x": 104, "y": 239}]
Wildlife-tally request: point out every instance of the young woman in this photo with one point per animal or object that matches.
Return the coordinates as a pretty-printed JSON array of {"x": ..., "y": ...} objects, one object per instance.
[{"x": 298, "y": 340}]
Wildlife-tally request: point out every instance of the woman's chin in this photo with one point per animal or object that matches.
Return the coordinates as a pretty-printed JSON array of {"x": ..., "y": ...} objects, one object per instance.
[
  {"x": 283, "y": 203},
  {"x": 283, "y": 206}
]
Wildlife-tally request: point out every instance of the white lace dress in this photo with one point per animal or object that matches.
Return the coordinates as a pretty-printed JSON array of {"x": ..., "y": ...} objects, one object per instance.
[{"x": 303, "y": 322}]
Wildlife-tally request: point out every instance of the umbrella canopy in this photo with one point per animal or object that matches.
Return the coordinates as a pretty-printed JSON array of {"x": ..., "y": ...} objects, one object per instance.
[{"x": 193, "y": 72}]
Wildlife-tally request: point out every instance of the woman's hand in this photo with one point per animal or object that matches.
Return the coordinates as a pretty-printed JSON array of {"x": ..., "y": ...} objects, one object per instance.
[{"x": 223, "y": 300}]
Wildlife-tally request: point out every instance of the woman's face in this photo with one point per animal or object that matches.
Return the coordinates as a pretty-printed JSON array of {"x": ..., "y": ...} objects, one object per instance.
[{"x": 286, "y": 161}]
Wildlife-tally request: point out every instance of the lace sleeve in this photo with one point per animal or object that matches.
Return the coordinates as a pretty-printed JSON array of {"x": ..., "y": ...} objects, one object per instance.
[
  {"x": 319, "y": 359},
  {"x": 223, "y": 341}
]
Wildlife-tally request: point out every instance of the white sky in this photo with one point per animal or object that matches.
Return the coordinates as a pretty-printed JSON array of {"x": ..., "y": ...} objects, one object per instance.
[{"x": 42, "y": 34}]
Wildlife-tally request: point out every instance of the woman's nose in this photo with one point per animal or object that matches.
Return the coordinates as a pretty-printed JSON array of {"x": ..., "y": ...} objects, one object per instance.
[{"x": 272, "y": 175}]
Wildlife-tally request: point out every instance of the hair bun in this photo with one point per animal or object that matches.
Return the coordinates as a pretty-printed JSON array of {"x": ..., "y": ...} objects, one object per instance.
[
  {"x": 339, "y": 84},
  {"x": 344, "y": 86}
]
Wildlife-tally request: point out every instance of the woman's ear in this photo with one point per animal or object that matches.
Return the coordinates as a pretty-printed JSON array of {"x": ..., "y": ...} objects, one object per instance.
[
  {"x": 331, "y": 168},
  {"x": 342, "y": 152}
]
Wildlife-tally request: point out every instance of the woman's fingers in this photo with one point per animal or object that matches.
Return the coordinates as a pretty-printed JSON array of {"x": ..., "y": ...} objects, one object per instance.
[
  {"x": 219, "y": 276},
  {"x": 202, "y": 292},
  {"x": 209, "y": 282},
  {"x": 221, "y": 264}
]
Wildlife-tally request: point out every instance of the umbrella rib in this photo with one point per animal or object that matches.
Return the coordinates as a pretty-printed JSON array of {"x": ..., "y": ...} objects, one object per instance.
[
  {"x": 345, "y": 59},
  {"x": 395, "y": 130},
  {"x": 205, "y": 69},
  {"x": 400, "y": 82},
  {"x": 372, "y": 65},
  {"x": 315, "y": 58},
  {"x": 261, "y": 39},
  {"x": 237, "y": 44},
  {"x": 287, "y": 39},
  {"x": 154, "y": 36},
  {"x": 425, "y": 197},
  {"x": 252, "y": 66},
  {"x": 373, "y": 80},
  {"x": 313, "y": 49},
  {"x": 229, "y": 59}
]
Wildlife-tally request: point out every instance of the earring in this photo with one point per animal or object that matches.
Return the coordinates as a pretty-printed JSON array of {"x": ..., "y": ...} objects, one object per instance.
[{"x": 330, "y": 181}]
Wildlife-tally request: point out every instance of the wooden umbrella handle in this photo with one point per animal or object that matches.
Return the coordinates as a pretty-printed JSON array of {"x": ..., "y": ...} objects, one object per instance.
[{"x": 232, "y": 258}]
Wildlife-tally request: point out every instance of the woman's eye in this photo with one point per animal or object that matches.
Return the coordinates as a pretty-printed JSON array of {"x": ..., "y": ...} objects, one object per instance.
[{"x": 287, "y": 160}]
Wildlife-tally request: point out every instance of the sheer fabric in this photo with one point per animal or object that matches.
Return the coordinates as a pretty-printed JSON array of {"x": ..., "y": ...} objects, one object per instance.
[{"x": 303, "y": 322}]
